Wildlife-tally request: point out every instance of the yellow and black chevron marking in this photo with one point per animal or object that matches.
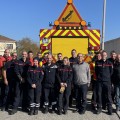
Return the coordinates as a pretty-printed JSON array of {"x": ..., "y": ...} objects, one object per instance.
[{"x": 93, "y": 35}]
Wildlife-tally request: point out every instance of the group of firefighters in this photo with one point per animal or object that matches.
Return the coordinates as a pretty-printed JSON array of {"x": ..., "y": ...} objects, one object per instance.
[{"x": 41, "y": 83}]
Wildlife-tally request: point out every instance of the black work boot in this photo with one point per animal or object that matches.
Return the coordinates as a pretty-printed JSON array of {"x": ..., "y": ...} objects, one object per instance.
[
  {"x": 93, "y": 106},
  {"x": 110, "y": 112},
  {"x": 36, "y": 111},
  {"x": 3, "y": 108},
  {"x": 13, "y": 112},
  {"x": 99, "y": 110},
  {"x": 46, "y": 110},
  {"x": 82, "y": 111},
  {"x": 59, "y": 111},
  {"x": 31, "y": 112},
  {"x": 104, "y": 108},
  {"x": 53, "y": 109},
  {"x": 65, "y": 112},
  {"x": 117, "y": 109}
]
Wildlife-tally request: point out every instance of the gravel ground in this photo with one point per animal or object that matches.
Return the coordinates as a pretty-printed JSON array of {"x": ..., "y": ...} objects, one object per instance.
[{"x": 89, "y": 115}]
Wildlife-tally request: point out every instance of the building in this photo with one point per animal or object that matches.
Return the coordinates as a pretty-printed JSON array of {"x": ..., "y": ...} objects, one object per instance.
[
  {"x": 113, "y": 45},
  {"x": 7, "y": 43}
]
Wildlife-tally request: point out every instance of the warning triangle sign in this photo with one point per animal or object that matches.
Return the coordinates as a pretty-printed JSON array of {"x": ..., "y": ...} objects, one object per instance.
[{"x": 69, "y": 15}]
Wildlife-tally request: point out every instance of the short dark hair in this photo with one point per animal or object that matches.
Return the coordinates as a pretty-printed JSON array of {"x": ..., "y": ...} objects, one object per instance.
[
  {"x": 79, "y": 54},
  {"x": 112, "y": 52},
  {"x": 59, "y": 54},
  {"x": 98, "y": 53},
  {"x": 36, "y": 58},
  {"x": 104, "y": 51},
  {"x": 73, "y": 50},
  {"x": 13, "y": 53},
  {"x": 66, "y": 58},
  {"x": 39, "y": 53},
  {"x": 30, "y": 52}
]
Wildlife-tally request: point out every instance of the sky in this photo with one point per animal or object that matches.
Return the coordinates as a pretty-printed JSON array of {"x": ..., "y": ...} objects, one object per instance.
[{"x": 24, "y": 18}]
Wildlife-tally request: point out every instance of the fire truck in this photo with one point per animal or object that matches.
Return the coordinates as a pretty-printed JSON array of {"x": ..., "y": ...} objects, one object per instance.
[{"x": 70, "y": 31}]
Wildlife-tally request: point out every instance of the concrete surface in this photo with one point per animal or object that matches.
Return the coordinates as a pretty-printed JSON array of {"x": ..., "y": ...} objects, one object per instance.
[{"x": 89, "y": 115}]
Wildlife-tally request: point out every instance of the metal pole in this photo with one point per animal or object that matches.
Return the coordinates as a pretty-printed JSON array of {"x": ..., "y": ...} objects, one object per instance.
[{"x": 103, "y": 25}]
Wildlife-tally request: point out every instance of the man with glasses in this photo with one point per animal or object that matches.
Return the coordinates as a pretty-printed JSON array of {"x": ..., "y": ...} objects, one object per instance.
[
  {"x": 21, "y": 69},
  {"x": 82, "y": 79}
]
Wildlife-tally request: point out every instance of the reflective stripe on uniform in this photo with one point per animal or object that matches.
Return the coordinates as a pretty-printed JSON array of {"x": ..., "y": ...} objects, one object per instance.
[
  {"x": 37, "y": 105},
  {"x": 54, "y": 103},
  {"x": 32, "y": 105},
  {"x": 46, "y": 103}
]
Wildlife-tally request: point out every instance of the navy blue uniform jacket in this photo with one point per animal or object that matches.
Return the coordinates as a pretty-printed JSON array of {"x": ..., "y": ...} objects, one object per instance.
[{"x": 35, "y": 75}]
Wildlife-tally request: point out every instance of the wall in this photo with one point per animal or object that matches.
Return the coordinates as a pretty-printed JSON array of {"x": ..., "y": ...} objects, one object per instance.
[
  {"x": 113, "y": 45},
  {"x": 3, "y": 46}
]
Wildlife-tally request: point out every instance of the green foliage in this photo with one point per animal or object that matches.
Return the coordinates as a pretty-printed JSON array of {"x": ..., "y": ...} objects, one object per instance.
[{"x": 26, "y": 44}]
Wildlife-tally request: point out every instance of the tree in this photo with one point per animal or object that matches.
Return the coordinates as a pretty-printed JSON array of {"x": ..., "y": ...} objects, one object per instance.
[{"x": 26, "y": 44}]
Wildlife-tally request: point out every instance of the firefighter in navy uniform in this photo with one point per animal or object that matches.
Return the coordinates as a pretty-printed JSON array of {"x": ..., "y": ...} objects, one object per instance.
[
  {"x": 93, "y": 80},
  {"x": 34, "y": 78},
  {"x": 49, "y": 84},
  {"x": 59, "y": 59},
  {"x": 117, "y": 83},
  {"x": 64, "y": 75},
  {"x": 3, "y": 59},
  {"x": 73, "y": 60},
  {"x": 9, "y": 78},
  {"x": 113, "y": 60},
  {"x": 104, "y": 70},
  {"x": 58, "y": 63},
  {"x": 21, "y": 69}
]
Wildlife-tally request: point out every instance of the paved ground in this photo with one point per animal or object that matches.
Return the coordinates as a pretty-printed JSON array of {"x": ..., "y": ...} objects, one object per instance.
[{"x": 89, "y": 115}]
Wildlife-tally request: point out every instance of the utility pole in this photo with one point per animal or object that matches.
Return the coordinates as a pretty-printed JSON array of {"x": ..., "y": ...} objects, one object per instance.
[{"x": 103, "y": 25}]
